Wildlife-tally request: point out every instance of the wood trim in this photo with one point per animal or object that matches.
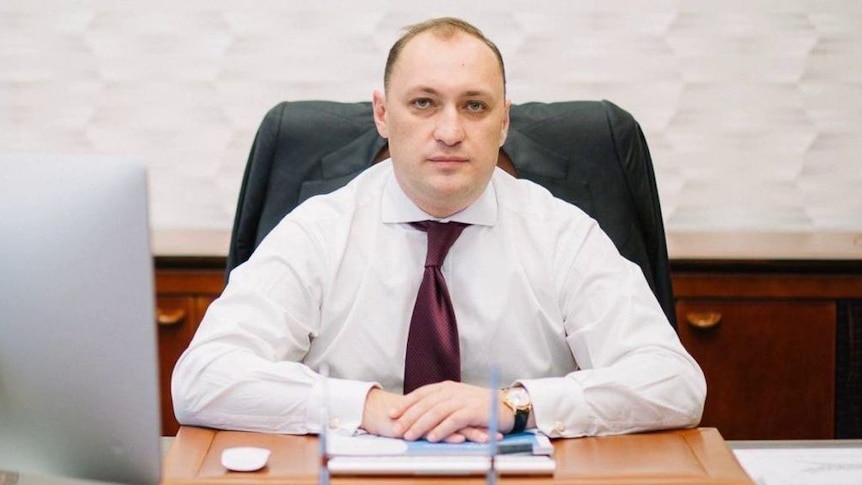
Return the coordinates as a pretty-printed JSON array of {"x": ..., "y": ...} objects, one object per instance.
[
  {"x": 801, "y": 286},
  {"x": 189, "y": 281},
  {"x": 806, "y": 266}
]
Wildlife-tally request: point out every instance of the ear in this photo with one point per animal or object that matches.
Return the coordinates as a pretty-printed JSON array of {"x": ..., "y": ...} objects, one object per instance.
[
  {"x": 504, "y": 132},
  {"x": 379, "y": 103}
]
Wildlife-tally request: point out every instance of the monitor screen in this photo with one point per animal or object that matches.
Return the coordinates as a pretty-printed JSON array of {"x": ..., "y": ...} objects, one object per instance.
[{"x": 78, "y": 357}]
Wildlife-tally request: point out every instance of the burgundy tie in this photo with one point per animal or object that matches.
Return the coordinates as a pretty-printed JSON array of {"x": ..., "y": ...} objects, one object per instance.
[{"x": 433, "y": 352}]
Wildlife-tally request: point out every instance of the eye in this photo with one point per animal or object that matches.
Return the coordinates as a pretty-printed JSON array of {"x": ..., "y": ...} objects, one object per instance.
[
  {"x": 475, "y": 106},
  {"x": 421, "y": 103}
]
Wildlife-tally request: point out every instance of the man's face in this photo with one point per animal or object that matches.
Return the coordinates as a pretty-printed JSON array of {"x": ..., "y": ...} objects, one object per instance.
[{"x": 445, "y": 115}]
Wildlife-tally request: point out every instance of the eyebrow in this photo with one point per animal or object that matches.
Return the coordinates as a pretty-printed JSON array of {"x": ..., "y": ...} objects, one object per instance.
[{"x": 430, "y": 90}]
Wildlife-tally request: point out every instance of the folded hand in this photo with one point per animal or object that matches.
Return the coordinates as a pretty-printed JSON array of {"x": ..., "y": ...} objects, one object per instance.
[{"x": 448, "y": 411}]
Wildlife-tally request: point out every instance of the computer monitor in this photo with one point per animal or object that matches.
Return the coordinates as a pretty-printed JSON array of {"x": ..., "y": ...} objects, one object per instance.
[{"x": 78, "y": 358}]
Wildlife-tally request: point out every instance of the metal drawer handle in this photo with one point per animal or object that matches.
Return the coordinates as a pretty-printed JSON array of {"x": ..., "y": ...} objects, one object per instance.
[
  {"x": 169, "y": 318},
  {"x": 703, "y": 319}
]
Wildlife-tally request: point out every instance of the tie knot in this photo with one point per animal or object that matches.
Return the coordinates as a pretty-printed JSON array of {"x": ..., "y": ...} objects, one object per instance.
[{"x": 441, "y": 237}]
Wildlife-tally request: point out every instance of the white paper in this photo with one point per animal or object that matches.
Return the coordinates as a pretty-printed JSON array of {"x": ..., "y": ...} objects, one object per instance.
[
  {"x": 364, "y": 445},
  {"x": 802, "y": 466}
]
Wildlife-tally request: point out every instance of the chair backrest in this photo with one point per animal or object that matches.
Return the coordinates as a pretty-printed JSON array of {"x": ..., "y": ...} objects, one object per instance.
[{"x": 590, "y": 153}]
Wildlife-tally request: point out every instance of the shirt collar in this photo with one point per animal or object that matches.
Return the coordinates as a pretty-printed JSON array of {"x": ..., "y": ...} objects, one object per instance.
[{"x": 396, "y": 207}]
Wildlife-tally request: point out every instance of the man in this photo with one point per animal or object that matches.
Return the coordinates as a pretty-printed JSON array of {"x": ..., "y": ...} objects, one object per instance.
[{"x": 537, "y": 290}]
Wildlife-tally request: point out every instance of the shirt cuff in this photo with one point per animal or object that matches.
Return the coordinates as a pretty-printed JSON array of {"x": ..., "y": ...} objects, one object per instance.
[
  {"x": 556, "y": 405},
  {"x": 345, "y": 408}
]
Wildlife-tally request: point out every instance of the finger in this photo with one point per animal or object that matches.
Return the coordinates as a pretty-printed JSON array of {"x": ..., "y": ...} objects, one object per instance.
[
  {"x": 466, "y": 416},
  {"x": 475, "y": 434},
  {"x": 441, "y": 409},
  {"x": 425, "y": 412},
  {"x": 454, "y": 422},
  {"x": 455, "y": 438},
  {"x": 428, "y": 415},
  {"x": 409, "y": 400}
]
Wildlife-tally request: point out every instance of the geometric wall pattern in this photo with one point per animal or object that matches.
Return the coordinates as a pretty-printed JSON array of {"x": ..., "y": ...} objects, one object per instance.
[{"x": 752, "y": 109}]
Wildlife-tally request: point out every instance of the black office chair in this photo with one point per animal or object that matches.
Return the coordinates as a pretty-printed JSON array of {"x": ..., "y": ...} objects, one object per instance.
[{"x": 590, "y": 153}]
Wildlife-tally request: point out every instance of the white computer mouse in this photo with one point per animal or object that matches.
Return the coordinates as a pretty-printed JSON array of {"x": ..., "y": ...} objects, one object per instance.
[{"x": 244, "y": 458}]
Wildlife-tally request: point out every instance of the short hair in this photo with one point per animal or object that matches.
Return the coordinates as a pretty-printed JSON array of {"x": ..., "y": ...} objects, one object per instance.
[{"x": 445, "y": 27}]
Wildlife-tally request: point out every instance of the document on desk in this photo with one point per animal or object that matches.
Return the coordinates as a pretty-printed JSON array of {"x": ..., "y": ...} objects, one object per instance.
[
  {"x": 521, "y": 454},
  {"x": 802, "y": 466}
]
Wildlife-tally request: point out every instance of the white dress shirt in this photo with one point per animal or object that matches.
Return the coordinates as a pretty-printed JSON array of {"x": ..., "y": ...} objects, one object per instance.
[{"x": 538, "y": 290}]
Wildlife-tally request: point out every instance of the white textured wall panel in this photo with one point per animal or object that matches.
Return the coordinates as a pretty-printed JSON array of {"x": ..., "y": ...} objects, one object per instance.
[{"x": 753, "y": 109}]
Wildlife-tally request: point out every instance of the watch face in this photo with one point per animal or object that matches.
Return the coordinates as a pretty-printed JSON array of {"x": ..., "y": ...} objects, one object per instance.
[{"x": 518, "y": 397}]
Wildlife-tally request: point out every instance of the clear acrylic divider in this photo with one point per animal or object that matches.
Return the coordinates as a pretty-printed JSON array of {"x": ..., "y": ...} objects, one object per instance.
[
  {"x": 493, "y": 426},
  {"x": 323, "y": 477}
]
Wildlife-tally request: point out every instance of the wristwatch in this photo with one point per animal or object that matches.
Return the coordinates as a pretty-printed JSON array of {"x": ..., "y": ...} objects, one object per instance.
[{"x": 518, "y": 400}]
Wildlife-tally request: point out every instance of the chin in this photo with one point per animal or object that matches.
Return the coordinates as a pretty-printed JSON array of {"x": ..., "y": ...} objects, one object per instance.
[{"x": 450, "y": 186}]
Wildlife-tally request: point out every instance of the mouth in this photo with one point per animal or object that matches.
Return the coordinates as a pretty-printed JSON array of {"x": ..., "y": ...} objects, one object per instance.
[{"x": 447, "y": 159}]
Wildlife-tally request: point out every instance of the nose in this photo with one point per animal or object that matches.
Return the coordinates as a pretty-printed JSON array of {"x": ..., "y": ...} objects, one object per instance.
[{"x": 449, "y": 129}]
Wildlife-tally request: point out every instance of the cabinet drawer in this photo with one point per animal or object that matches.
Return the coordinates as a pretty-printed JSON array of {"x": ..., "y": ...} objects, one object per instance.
[{"x": 769, "y": 365}]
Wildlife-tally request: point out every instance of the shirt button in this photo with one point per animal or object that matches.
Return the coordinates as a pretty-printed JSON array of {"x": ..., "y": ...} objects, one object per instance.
[{"x": 334, "y": 423}]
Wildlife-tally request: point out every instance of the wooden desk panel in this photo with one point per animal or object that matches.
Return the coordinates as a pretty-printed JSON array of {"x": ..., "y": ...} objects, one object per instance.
[{"x": 697, "y": 456}]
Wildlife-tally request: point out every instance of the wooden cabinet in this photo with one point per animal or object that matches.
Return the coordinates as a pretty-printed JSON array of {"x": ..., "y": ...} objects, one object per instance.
[
  {"x": 766, "y": 337},
  {"x": 770, "y": 366},
  {"x": 182, "y": 297}
]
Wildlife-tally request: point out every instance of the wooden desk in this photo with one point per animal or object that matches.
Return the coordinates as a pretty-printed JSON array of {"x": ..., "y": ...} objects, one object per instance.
[{"x": 697, "y": 456}]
